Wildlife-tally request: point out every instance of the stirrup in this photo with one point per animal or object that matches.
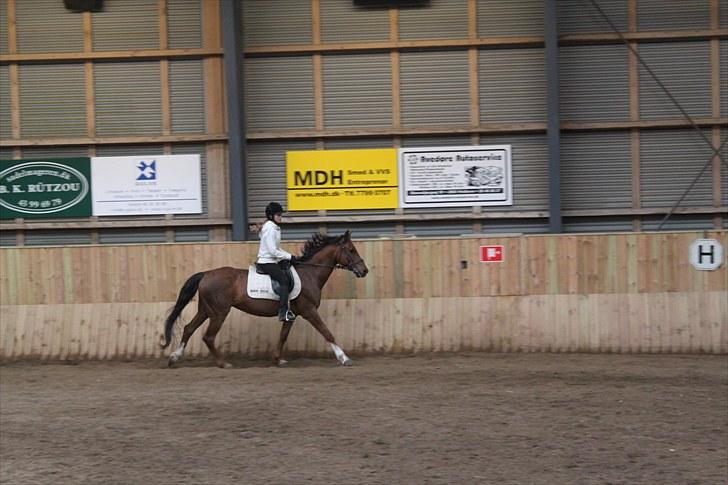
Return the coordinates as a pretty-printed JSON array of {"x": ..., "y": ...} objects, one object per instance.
[{"x": 290, "y": 316}]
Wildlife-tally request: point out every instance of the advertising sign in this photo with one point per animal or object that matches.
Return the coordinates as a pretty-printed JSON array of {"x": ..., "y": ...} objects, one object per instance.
[
  {"x": 42, "y": 188},
  {"x": 455, "y": 176},
  {"x": 342, "y": 179},
  {"x": 136, "y": 185}
]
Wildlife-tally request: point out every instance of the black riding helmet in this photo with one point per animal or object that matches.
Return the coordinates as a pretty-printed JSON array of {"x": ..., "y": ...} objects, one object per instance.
[{"x": 272, "y": 209}]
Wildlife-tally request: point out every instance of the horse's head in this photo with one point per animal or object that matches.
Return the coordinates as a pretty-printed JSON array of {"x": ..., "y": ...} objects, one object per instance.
[{"x": 348, "y": 257}]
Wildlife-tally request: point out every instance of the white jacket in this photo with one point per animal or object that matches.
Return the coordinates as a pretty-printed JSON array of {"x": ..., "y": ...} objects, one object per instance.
[{"x": 270, "y": 244}]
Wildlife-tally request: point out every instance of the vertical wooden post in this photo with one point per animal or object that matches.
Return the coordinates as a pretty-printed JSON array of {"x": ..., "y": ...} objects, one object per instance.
[
  {"x": 634, "y": 115},
  {"x": 14, "y": 97},
  {"x": 218, "y": 190},
  {"x": 477, "y": 226},
  {"x": 715, "y": 80},
  {"x": 396, "y": 94}
]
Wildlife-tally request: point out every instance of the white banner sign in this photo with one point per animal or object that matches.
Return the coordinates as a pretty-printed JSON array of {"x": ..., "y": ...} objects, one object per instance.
[
  {"x": 137, "y": 185},
  {"x": 455, "y": 176}
]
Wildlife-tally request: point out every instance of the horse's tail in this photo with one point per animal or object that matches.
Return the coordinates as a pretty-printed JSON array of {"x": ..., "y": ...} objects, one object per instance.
[{"x": 185, "y": 295}]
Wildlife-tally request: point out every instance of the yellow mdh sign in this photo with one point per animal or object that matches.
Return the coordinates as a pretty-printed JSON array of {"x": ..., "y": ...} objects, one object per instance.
[{"x": 342, "y": 179}]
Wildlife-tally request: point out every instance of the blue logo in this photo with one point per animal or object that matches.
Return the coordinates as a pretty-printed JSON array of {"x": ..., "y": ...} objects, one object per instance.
[{"x": 148, "y": 170}]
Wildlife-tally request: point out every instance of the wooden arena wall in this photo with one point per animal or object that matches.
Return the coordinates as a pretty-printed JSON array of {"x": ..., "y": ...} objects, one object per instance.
[{"x": 565, "y": 293}]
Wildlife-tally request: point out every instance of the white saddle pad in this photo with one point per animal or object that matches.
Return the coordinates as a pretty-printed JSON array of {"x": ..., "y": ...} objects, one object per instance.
[{"x": 260, "y": 286}]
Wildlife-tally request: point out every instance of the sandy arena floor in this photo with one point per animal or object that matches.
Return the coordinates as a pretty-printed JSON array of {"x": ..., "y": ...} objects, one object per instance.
[{"x": 425, "y": 419}]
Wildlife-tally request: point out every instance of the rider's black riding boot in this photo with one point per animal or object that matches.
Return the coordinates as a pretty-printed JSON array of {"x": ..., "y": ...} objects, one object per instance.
[{"x": 285, "y": 314}]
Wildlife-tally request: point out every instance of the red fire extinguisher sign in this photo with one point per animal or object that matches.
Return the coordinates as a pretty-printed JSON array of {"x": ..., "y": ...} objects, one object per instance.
[{"x": 491, "y": 254}]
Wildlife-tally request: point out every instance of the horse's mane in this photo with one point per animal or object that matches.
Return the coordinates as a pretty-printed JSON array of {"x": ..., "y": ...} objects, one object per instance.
[{"x": 315, "y": 244}]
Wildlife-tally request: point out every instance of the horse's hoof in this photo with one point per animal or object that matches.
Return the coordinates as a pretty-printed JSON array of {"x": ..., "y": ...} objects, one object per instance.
[
  {"x": 172, "y": 360},
  {"x": 282, "y": 363},
  {"x": 348, "y": 363},
  {"x": 225, "y": 365}
]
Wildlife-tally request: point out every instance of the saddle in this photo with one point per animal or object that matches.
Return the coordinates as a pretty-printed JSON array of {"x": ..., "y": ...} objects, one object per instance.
[{"x": 261, "y": 285}]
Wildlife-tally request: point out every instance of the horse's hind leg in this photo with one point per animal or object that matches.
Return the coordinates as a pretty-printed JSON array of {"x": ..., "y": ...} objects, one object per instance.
[
  {"x": 285, "y": 330},
  {"x": 318, "y": 323},
  {"x": 189, "y": 329},
  {"x": 216, "y": 322}
]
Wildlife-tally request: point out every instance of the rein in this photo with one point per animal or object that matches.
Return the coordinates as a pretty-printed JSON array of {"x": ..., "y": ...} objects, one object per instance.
[{"x": 349, "y": 266}]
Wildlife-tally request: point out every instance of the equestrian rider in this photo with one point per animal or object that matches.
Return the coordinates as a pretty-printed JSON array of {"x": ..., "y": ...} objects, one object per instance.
[{"x": 273, "y": 260}]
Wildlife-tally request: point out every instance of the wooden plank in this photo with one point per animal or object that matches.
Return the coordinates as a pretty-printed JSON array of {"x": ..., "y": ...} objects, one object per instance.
[{"x": 139, "y": 54}]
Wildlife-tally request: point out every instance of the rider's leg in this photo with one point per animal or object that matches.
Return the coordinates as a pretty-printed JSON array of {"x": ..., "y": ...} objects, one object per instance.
[{"x": 279, "y": 275}]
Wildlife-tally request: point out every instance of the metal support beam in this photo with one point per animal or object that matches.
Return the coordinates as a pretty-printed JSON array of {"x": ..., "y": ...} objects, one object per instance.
[
  {"x": 553, "y": 129},
  {"x": 232, "y": 28}
]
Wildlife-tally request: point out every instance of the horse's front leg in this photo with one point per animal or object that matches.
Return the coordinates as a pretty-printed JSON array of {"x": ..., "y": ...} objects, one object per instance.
[
  {"x": 285, "y": 330},
  {"x": 315, "y": 319}
]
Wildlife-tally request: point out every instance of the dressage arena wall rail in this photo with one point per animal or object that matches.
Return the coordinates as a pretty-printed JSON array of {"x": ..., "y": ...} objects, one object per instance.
[{"x": 563, "y": 293}]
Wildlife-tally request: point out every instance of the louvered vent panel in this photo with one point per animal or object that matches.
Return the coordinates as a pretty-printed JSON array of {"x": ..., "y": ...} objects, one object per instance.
[
  {"x": 515, "y": 226},
  {"x": 56, "y": 238},
  {"x": 580, "y": 16},
  {"x": 679, "y": 222},
  {"x": 8, "y": 239},
  {"x": 184, "y": 24},
  {"x": 363, "y": 230},
  {"x": 512, "y": 85},
  {"x": 3, "y": 28},
  {"x": 55, "y": 152},
  {"x": 596, "y": 170},
  {"x": 673, "y": 14},
  {"x": 440, "y": 19},
  {"x": 438, "y": 228},
  {"x": 354, "y": 143},
  {"x": 276, "y": 23},
  {"x": 723, "y": 13},
  {"x": 345, "y": 22},
  {"x": 684, "y": 69},
  {"x": 357, "y": 90},
  {"x": 499, "y": 18},
  {"x": 6, "y": 153},
  {"x": 191, "y": 235},
  {"x": 128, "y": 99},
  {"x": 128, "y": 150},
  {"x": 46, "y": 26},
  {"x": 5, "y": 117},
  {"x": 266, "y": 168},
  {"x": 436, "y": 141},
  {"x": 724, "y": 172},
  {"x": 195, "y": 149},
  {"x": 435, "y": 89},
  {"x": 670, "y": 161},
  {"x": 52, "y": 100},
  {"x": 127, "y": 25},
  {"x": 279, "y": 93},
  {"x": 132, "y": 236},
  {"x": 597, "y": 224},
  {"x": 724, "y": 76},
  {"x": 594, "y": 83},
  {"x": 187, "y": 96}
]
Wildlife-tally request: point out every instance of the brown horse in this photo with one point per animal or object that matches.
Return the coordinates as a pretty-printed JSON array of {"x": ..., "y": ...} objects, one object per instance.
[{"x": 223, "y": 288}]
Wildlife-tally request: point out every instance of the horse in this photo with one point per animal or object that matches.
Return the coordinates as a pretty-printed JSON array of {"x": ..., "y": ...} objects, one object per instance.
[{"x": 223, "y": 288}]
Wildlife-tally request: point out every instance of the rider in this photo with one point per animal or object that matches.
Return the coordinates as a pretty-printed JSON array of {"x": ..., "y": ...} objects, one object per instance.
[{"x": 273, "y": 260}]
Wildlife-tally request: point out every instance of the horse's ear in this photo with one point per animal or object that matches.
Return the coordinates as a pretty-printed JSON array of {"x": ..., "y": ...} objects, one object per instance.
[{"x": 347, "y": 236}]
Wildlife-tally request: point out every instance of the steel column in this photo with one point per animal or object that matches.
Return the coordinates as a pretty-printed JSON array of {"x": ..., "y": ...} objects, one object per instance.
[
  {"x": 553, "y": 123},
  {"x": 232, "y": 28}
]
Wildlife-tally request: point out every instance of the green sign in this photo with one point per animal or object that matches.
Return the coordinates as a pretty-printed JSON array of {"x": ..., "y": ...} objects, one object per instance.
[{"x": 53, "y": 187}]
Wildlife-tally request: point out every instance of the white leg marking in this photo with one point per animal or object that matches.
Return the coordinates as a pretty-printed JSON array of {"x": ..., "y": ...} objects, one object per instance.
[
  {"x": 340, "y": 355},
  {"x": 177, "y": 354}
]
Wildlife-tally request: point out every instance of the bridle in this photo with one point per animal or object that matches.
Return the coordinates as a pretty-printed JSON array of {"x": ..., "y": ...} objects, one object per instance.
[{"x": 349, "y": 266}]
